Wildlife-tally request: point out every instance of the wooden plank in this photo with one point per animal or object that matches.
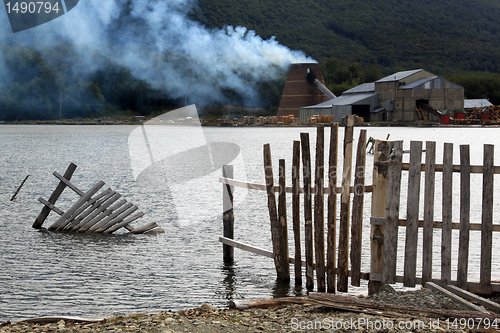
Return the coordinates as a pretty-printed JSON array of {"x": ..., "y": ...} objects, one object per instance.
[
  {"x": 261, "y": 187},
  {"x": 51, "y": 206},
  {"x": 87, "y": 209},
  {"x": 392, "y": 213},
  {"x": 69, "y": 184},
  {"x": 53, "y": 197},
  {"x": 474, "y": 298},
  {"x": 308, "y": 229},
  {"x": 430, "y": 180},
  {"x": 227, "y": 215},
  {"x": 273, "y": 213},
  {"x": 115, "y": 217},
  {"x": 129, "y": 220},
  {"x": 331, "y": 269},
  {"x": 456, "y": 298},
  {"x": 345, "y": 200},
  {"x": 380, "y": 178},
  {"x": 447, "y": 213},
  {"x": 357, "y": 210},
  {"x": 296, "y": 209},
  {"x": 456, "y": 168},
  {"x": 319, "y": 210},
  {"x": 487, "y": 220},
  {"x": 99, "y": 213},
  {"x": 77, "y": 205},
  {"x": 145, "y": 228},
  {"x": 412, "y": 214},
  {"x": 19, "y": 188},
  {"x": 282, "y": 222},
  {"x": 454, "y": 225},
  {"x": 463, "y": 246}
]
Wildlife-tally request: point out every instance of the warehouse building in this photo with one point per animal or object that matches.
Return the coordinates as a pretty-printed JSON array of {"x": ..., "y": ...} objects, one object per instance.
[{"x": 403, "y": 96}]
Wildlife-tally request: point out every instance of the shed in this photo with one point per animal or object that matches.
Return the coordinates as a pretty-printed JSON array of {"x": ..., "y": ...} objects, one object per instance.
[{"x": 358, "y": 104}]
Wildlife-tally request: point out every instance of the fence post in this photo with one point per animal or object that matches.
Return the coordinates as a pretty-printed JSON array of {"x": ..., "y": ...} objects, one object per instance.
[
  {"x": 392, "y": 212},
  {"x": 296, "y": 210},
  {"x": 345, "y": 200},
  {"x": 273, "y": 216},
  {"x": 282, "y": 225},
  {"x": 331, "y": 269},
  {"x": 357, "y": 210},
  {"x": 308, "y": 229},
  {"x": 487, "y": 219},
  {"x": 380, "y": 168},
  {"x": 319, "y": 218},
  {"x": 430, "y": 176},
  {"x": 228, "y": 214},
  {"x": 463, "y": 246}
]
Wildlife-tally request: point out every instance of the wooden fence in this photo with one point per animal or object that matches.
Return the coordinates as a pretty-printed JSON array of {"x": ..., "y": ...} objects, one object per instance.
[
  {"x": 332, "y": 264},
  {"x": 94, "y": 212}
]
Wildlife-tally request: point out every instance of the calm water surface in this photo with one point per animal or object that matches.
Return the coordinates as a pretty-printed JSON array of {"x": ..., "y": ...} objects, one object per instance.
[{"x": 44, "y": 273}]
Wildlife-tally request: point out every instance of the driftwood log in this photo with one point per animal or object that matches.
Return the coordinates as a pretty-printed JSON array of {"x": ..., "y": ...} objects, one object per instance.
[{"x": 361, "y": 305}]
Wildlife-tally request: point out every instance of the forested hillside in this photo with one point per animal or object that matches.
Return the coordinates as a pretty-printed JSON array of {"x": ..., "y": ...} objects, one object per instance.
[{"x": 440, "y": 36}]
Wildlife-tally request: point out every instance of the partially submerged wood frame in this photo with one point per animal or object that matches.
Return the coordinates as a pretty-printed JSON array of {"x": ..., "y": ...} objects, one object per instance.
[{"x": 92, "y": 213}]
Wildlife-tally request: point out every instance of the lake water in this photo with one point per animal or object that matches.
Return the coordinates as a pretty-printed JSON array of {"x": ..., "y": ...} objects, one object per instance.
[{"x": 44, "y": 273}]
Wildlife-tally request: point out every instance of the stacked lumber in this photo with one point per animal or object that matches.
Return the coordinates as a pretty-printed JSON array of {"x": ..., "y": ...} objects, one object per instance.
[
  {"x": 94, "y": 212},
  {"x": 478, "y": 112}
]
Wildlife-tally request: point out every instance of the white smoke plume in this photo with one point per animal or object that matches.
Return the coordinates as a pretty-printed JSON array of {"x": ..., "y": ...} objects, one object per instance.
[{"x": 161, "y": 45}]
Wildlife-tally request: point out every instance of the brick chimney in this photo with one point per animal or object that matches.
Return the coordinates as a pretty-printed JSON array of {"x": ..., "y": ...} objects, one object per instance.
[{"x": 300, "y": 89}]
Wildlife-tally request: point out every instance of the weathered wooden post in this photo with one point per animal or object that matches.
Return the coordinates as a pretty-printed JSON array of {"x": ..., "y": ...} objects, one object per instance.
[
  {"x": 412, "y": 214},
  {"x": 463, "y": 245},
  {"x": 392, "y": 212},
  {"x": 308, "y": 229},
  {"x": 53, "y": 198},
  {"x": 228, "y": 214},
  {"x": 283, "y": 224},
  {"x": 487, "y": 219},
  {"x": 357, "y": 210},
  {"x": 296, "y": 210},
  {"x": 380, "y": 168},
  {"x": 331, "y": 264},
  {"x": 446, "y": 235},
  {"x": 427, "y": 242},
  {"x": 319, "y": 215},
  {"x": 345, "y": 200},
  {"x": 283, "y": 271}
]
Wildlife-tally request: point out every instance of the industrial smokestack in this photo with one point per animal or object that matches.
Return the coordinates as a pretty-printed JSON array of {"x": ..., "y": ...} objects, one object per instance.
[{"x": 300, "y": 89}]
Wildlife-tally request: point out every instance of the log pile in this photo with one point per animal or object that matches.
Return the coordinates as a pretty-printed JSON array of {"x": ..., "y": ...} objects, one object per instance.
[
  {"x": 479, "y": 113},
  {"x": 94, "y": 212}
]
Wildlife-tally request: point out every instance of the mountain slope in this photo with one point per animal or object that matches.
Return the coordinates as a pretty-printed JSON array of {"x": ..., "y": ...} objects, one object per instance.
[{"x": 443, "y": 37}]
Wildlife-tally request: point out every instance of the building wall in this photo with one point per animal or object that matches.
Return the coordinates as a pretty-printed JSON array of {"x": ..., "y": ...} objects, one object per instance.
[
  {"x": 405, "y": 102},
  {"x": 298, "y": 92}
]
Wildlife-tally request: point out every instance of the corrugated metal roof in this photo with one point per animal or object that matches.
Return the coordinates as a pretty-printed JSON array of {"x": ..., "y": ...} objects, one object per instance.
[
  {"x": 472, "y": 103},
  {"x": 362, "y": 88},
  {"x": 418, "y": 82},
  {"x": 399, "y": 75},
  {"x": 342, "y": 100}
]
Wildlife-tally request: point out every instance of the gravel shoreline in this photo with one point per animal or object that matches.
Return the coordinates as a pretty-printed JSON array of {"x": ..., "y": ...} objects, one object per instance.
[{"x": 292, "y": 318}]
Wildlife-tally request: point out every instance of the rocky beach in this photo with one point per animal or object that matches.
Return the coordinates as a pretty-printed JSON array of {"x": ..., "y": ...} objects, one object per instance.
[{"x": 304, "y": 317}]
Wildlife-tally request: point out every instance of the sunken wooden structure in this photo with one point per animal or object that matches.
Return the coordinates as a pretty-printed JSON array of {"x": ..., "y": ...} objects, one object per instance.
[
  {"x": 94, "y": 212},
  {"x": 321, "y": 224}
]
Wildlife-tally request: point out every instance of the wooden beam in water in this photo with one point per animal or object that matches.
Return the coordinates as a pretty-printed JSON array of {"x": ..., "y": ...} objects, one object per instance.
[
  {"x": 51, "y": 206},
  {"x": 69, "y": 184},
  {"x": 88, "y": 208},
  {"x": 99, "y": 213},
  {"x": 227, "y": 214},
  {"x": 77, "y": 205},
  {"x": 127, "y": 221},
  {"x": 54, "y": 196}
]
